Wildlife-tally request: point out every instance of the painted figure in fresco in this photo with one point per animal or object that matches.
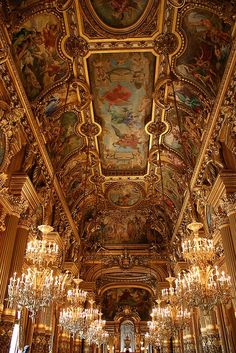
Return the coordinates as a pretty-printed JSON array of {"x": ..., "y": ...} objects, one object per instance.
[
  {"x": 35, "y": 49},
  {"x": 126, "y": 140},
  {"x": 123, "y": 7},
  {"x": 117, "y": 96},
  {"x": 205, "y": 57}
]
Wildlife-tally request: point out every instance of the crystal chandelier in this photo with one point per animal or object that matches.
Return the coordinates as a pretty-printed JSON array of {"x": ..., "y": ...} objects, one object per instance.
[
  {"x": 35, "y": 289},
  {"x": 197, "y": 250},
  {"x": 71, "y": 320},
  {"x": 88, "y": 317},
  {"x": 203, "y": 288},
  {"x": 38, "y": 286},
  {"x": 96, "y": 333},
  {"x": 75, "y": 296},
  {"x": 202, "y": 285},
  {"x": 42, "y": 252}
]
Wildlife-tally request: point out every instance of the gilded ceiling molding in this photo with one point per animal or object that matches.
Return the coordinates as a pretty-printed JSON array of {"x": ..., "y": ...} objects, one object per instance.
[
  {"x": 216, "y": 120},
  {"x": 30, "y": 125},
  {"x": 95, "y": 28}
]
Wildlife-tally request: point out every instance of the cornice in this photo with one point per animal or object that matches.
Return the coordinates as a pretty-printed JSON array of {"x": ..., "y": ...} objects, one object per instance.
[
  {"x": 21, "y": 185},
  {"x": 225, "y": 183}
]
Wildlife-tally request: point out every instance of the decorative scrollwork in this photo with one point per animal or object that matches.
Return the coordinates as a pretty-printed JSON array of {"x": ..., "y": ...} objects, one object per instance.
[{"x": 177, "y": 3}]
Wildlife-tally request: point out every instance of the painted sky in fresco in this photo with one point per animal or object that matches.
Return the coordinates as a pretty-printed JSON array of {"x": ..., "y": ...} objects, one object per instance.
[{"x": 122, "y": 85}]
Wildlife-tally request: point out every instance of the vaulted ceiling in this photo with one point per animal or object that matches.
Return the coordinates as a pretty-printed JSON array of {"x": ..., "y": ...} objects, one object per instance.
[{"x": 114, "y": 86}]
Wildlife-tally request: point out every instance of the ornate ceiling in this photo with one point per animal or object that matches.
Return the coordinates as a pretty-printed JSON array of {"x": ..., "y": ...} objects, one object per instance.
[{"x": 97, "y": 79}]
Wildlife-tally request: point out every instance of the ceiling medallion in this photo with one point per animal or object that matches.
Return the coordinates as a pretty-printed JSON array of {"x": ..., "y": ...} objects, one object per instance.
[
  {"x": 166, "y": 43},
  {"x": 89, "y": 129},
  {"x": 125, "y": 195},
  {"x": 76, "y": 46},
  {"x": 157, "y": 128}
]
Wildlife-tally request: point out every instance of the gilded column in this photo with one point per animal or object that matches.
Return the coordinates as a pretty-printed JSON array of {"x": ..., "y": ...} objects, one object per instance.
[
  {"x": 196, "y": 330},
  {"x": 7, "y": 241},
  {"x": 19, "y": 249},
  {"x": 222, "y": 329},
  {"x": 230, "y": 256},
  {"x": 229, "y": 206}
]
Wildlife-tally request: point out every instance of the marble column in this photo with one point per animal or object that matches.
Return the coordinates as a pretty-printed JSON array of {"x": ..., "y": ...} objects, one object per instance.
[{"x": 222, "y": 329}]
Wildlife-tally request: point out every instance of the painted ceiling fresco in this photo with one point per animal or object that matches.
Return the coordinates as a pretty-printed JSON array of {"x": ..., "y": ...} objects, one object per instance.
[
  {"x": 35, "y": 49},
  {"x": 91, "y": 71},
  {"x": 203, "y": 61},
  {"x": 136, "y": 298},
  {"x": 122, "y": 85},
  {"x": 119, "y": 13}
]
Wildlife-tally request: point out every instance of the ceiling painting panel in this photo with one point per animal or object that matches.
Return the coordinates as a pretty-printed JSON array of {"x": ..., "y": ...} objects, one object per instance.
[
  {"x": 205, "y": 56},
  {"x": 122, "y": 85},
  {"x": 115, "y": 299},
  {"x": 123, "y": 227},
  {"x": 191, "y": 128},
  {"x": 119, "y": 13},
  {"x": 56, "y": 100},
  {"x": 125, "y": 195},
  {"x": 62, "y": 137},
  {"x": 37, "y": 58}
]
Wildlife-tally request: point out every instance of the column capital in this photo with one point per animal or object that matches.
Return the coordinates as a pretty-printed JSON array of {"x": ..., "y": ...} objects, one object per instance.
[
  {"x": 220, "y": 219},
  {"x": 229, "y": 202},
  {"x": 20, "y": 184},
  {"x": 225, "y": 184}
]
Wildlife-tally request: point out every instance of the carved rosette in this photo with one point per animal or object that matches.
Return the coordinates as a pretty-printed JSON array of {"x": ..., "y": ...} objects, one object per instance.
[
  {"x": 165, "y": 43},
  {"x": 89, "y": 129},
  {"x": 156, "y": 128},
  {"x": 76, "y": 46}
]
